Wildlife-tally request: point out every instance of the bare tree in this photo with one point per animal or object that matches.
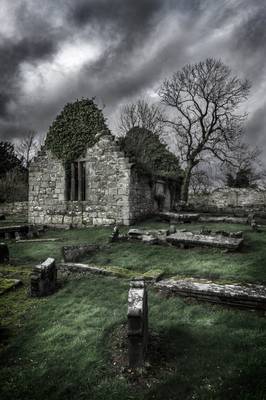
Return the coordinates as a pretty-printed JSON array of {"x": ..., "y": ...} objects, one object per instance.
[
  {"x": 143, "y": 115},
  {"x": 246, "y": 170},
  {"x": 200, "y": 181},
  {"x": 27, "y": 148},
  {"x": 204, "y": 98}
]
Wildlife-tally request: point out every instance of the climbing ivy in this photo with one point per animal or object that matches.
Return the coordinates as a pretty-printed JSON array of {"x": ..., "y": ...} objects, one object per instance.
[
  {"x": 150, "y": 154},
  {"x": 75, "y": 129}
]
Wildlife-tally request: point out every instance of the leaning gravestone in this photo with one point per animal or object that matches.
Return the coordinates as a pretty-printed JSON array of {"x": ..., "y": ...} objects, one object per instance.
[
  {"x": 137, "y": 323},
  {"x": 43, "y": 279},
  {"x": 4, "y": 253}
]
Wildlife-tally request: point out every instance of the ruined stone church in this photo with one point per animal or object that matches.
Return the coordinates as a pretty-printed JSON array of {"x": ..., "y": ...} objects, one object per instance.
[{"x": 102, "y": 187}]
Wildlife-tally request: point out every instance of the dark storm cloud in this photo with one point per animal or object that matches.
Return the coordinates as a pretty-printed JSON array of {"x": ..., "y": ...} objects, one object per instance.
[
  {"x": 141, "y": 42},
  {"x": 12, "y": 54}
]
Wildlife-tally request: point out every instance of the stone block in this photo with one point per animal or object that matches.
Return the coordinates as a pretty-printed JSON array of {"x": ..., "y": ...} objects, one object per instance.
[
  {"x": 137, "y": 316},
  {"x": 43, "y": 279},
  {"x": 4, "y": 253}
]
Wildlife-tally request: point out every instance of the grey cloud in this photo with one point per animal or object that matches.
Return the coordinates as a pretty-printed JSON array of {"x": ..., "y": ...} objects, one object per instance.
[{"x": 127, "y": 67}]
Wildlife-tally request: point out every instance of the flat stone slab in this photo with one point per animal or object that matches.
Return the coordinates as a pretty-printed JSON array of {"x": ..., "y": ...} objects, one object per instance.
[
  {"x": 151, "y": 236},
  {"x": 197, "y": 239},
  {"x": 248, "y": 296},
  {"x": 18, "y": 231},
  {"x": 7, "y": 284},
  {"x": 14, "y": 228},
  {"x": 225, "y": 219},
  {"x": 38, "y": 240},
  {"x": 82, "y": 268},
  {"x": 180, "y": 217}
]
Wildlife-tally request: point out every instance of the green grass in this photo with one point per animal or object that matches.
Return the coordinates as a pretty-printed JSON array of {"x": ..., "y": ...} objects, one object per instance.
[
  {"x": 62, "y": 348},
  {"x": 59, "y": 347},
  {"x": 246, "y": 265}
]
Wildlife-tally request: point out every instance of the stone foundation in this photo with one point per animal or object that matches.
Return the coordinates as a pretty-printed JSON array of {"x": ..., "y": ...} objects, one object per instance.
[
  {"x": 232, "y": 201},
  {"x": 43, "y": 279}
]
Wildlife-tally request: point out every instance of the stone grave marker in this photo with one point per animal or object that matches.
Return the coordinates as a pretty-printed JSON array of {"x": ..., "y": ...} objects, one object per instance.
[
  {"x": 137, "y": 323},
  {"x": 4, "y": 253},
  {"x": 43, "y": 279}
]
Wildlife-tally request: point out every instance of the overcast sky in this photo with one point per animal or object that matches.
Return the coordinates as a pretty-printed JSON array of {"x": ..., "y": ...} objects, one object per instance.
[{"x": 55, "y": 51}]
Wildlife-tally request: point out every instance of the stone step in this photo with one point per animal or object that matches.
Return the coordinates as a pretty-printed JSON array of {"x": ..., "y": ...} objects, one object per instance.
[{"x": 247, "y": 296}]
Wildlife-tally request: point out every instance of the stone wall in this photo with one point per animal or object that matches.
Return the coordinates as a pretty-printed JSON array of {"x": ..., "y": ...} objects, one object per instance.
[
  {"x": 108, "y": 178},
  {"x": 20, "y": 207},
  {"x": 107, "y": 189},
  {"x": 115, "y": 193},
  {"x": 230, "y": 201},
  {"x": 141, "y": 196}
]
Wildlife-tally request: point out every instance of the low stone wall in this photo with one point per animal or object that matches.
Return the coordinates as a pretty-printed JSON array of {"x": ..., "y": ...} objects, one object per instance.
[
  {"x": 239, "y": 202},
  {"x": 20, "y": 207}
]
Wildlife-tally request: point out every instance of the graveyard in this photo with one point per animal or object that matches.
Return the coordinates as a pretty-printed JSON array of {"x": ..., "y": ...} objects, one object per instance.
[{"x": 74, "y": 343}]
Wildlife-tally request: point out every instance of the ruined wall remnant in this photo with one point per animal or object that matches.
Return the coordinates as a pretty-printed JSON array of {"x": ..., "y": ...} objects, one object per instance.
[
  {"x": 43, "y": 279},
  {"x": 18, "y": 207},
  {"x": 113, "y": 193},
  {"x": 227, "y": 200},
  {"x": 137, "y": 323}
]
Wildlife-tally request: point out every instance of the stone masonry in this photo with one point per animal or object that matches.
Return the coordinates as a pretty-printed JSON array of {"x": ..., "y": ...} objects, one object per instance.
[
  {"x": 115, "y": 192},
  {"x": 233, "y": 201}
]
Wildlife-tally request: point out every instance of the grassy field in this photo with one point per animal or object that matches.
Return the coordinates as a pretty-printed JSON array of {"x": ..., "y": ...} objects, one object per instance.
[
  {"x": 247, "y": 265},
  {"x": 63, "y": 350},
  {"x": 63, "y": 347}
]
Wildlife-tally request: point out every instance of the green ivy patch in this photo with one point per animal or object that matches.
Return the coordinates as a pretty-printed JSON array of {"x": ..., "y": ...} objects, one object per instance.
[{"x": 75, "y": 129}]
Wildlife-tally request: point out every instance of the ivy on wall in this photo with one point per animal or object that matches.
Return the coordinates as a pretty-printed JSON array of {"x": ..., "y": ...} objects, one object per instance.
[
  {"x": 150, "y": 154},
  {"x": 75, "y": 129}
]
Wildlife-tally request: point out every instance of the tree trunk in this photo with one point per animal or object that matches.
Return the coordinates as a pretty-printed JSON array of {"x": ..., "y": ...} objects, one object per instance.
[{"x": 185, "y": 183}]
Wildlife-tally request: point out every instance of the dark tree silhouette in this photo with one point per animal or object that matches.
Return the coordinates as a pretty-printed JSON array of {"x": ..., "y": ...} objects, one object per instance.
[{"x": 204, "y": 100}]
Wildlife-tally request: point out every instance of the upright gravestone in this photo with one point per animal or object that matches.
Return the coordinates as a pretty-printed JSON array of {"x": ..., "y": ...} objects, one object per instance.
[
  {"x": 4, "y": 253},
  {"x": 137, "y": 323},
  {"x": 43, "y": 279}
]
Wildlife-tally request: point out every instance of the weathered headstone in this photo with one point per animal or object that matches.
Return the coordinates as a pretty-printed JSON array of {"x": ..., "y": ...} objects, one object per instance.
[
  {"x": 115, "y": 234},
  {"x": 30, "y": 234},
  {"x": 137, "y": 323},
  {"x": 18, "y": 236},
  {"x": 4, "y": 253},
  {"x": 75, "y": 252},
  {"x": 43, "y": 279}
]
